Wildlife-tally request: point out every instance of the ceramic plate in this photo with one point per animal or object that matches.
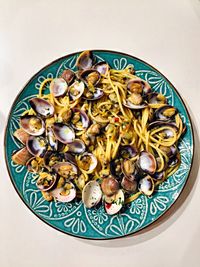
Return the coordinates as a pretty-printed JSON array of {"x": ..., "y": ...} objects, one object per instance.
[{"x": 73, "y": 218}]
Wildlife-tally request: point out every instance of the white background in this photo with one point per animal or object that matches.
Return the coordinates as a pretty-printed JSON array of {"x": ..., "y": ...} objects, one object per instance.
[{"x": 164, "y": 33}]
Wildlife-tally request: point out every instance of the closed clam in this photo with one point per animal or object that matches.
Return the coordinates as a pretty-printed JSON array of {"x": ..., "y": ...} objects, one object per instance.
[
  {"x": 91, "y": 194},
  {"x": 109, "y": 186},
  {"x": 128, "y": 185}
]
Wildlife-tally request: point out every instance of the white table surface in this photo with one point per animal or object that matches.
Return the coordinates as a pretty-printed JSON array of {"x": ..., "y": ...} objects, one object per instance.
[{"x": 164, "y": 33}]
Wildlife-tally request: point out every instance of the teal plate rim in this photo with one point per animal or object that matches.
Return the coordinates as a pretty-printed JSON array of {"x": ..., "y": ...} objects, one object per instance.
[{"x": 133, "y": 58}]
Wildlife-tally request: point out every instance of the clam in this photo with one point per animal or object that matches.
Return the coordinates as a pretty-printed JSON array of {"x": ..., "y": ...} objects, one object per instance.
[
  {"x": 147, "y": 162},
  {"x": 127, "y": 151},
  {"x": 138, "y": 86},
  {"x": 91, "y": 77},
  {"x": 165, "y": 113},
  {"x": 32, "y": 125},
  {"x": 33, "y": 165},
  {"x": 21, "y": 156},
  {"x": 37, "y": 146},
  {"x": 42, "y": 107},
  {"x": 109, "y": 186},
  {"x": 52, "y": 158},
  {"x": 155, "y": 98},
  {"x": 79, "y": 120},
  {"x": 129, "y": 102},
  {"x": 63, "y": 132},
  {"x": 66, "y": 170},
  {"x": 129, "y": 186},
  {"x": 102, "y": 67},
  {"x": 58, "y": 87},
  {"x": 76, "y": 90},
  {"x": 128, "y": 167},
  {"x": 170, "y": 151},
  {"x": 87, "y": 162},
  {"x": 66, "y": 193},
  {"x": 116, "y": 205},
  {"x": 21, "y": 135},
  {"x": 94, "y": 94},
  {"x": 69, "y": 157},
  {"x": 168, "y": 132},
  {"x": 175, "y": 160},
  {"x": 85, "y": 60},
  {"x": 91, "y": 194},
  {"x": 46, "y": 181},
  {"x": 52, "y": 141},
  {"x": 116, "y": 168},
  {"x": 159, "y": 175},
  {"x": 77, "y": 146},
  {"x": 68, "y": 75},
  {"x": 146, "y": 185}
]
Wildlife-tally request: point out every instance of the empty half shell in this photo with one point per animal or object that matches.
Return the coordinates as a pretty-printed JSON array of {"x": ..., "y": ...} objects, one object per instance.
[
  {"x": 37, "y": 146},
  {"x": 147, "y": 162},
  {"x": 58, "y": 87},
  {"x": 146, "y": 185},
  {"x": 91, "y": 194},
  {"x": 42, "y": 107},
  {"x": 116, "y": 205}
]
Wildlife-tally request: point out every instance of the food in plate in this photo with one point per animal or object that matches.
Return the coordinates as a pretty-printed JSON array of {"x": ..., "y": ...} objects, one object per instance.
[{"x": 99, "y": 134}]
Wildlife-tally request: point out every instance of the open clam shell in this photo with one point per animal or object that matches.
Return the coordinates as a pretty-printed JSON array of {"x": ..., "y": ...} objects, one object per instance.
[
  {"x": 93, "y": 95},
  {"x": 144, "y": 85},
  {"x": 79, "y": 120},
  {"x": 42, "y": 107},
  {"x": 32, "y": 125},
  {"x": 63, "y": 132},
  {"x": 77, "y": 146},
  {"x": 58, "y": 87},
  {"x": 102, "y": 67},
  {"x": 116, "y": 205},
  {"x": 127, "y": 151},
  {"x": 76, "y": 90},
  {"x": 66, "y": 170},
  {"x": 64, "y": 194},
  {"x": 46, "y": 181},
  {"x": 146, "y": 185},
  {"x": 90, "y": 77},
  {"x": 53, "y": 142},
  {"x": 91, "y": 194},
  {"x": 37, "y": 146},
  {"x": 85, "y": 60},
  {"x": 87, "y": 162},
  {"x": 165, "y": 113}
]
